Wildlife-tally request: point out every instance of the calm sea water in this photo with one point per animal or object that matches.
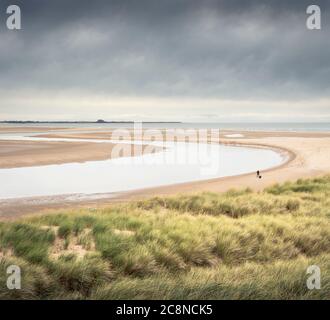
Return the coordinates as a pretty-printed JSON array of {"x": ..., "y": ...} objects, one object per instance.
[
  {"x": 179, "y": 163},
  {"x": 292, "y": 127}
]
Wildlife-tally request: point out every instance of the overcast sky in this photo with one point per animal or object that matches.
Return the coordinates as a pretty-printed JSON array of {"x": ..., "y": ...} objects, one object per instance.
[{"x": 182, "y": 60}]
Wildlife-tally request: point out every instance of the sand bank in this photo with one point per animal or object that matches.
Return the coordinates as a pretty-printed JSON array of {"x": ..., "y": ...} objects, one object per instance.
[
  {"x": 309, "y": 157},
  {"x": 15, "y": 154}
]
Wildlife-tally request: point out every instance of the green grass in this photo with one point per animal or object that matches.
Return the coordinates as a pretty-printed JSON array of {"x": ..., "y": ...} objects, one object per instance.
[{"x": 237, "y": 245}]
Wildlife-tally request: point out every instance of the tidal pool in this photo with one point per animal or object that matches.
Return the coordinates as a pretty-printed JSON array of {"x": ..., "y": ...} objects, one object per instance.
[{"x": 179, "y": 162}]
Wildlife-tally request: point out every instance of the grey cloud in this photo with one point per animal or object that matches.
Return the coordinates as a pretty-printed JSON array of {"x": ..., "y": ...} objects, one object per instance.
[{"x": 220, "y": 49}]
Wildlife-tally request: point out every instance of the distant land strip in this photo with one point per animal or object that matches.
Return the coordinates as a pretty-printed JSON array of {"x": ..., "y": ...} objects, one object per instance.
[{"x": 96, "y": 122}]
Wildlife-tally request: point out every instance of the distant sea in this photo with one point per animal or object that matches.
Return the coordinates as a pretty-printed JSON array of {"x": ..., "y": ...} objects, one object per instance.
[{"x": 292, "y": 127}]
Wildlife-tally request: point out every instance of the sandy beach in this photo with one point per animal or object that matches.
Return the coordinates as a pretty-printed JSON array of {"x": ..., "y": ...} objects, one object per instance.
[
  {"x": 309, "y": 155},
  {"x": 16, "y": 154}
]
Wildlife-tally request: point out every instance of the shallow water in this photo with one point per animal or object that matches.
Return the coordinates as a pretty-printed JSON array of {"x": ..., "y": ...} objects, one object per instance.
[{"x": 178, "y": 163}]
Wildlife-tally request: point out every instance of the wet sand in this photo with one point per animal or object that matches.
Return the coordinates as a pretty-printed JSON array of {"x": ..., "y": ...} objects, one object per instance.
[
  {"x": 15, "y": 154},
  {"x": 309, "y": 155}
]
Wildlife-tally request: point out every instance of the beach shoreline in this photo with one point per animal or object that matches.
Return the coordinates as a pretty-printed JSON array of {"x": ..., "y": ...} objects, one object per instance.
[
  {"x": 19, "y": 154},
  {"x": 306, "y": 155}
]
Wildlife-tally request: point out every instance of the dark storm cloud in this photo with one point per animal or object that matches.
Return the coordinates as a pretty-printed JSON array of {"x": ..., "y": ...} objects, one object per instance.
[{"x": 222, "y": 49}]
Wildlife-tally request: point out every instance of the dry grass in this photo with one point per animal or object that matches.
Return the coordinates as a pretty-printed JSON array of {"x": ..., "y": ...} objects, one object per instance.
[{"x": 238, "y": 245}]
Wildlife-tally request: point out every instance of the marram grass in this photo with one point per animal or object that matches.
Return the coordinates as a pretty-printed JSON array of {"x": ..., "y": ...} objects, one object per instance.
[{"x": 237, "y": 245}]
